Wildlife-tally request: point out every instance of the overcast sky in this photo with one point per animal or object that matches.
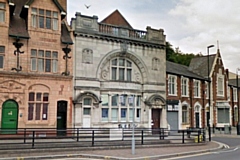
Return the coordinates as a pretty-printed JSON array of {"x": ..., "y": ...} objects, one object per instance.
[{"x": 191, "y": 25}]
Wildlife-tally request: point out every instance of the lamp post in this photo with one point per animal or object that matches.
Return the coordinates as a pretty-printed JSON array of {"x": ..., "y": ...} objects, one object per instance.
[
  {"x": 209, "y": 92},
  {"x": 238, "y": 123},
  {"x": 133, "y": 126}
]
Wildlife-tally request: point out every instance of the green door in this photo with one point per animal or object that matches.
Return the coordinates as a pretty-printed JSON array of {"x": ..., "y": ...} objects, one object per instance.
[{"x": 9, "y": 117}]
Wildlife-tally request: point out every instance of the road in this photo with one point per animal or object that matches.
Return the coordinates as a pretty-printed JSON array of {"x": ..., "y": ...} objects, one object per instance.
[
  {"x": 226, "y": 154},
  {"x": 74, "y": 159},
  {"x": 231, "y": 153}
]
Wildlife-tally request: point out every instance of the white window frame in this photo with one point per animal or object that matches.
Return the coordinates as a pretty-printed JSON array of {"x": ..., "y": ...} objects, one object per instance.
[
  {"x": 38, "y": 63},
  {"x": 220, "y": 85},
  {"x": 105, "y": 106},
  {"x": 196, "y": 88},
  {"x": 125, "y": 68},
  {"x": 2, "y": 12},
  {"x": 234, "y": 94},
  {"x": 184, "y": 86},
  {"x": 53, "y": 17},
  {"x": 185, "y": 120},
  {"x": 172, "y": 85},
  {"x": 207, "y": 89},
  {"x": 107, "y": 115}
]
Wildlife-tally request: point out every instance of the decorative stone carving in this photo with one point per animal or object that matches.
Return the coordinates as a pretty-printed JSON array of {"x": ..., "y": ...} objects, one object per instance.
[
  {"x": 105, "y": 73},
  {"x": 155, "y": 64},
  {"x": 87, "y": 56},
  {"x": 19, "y": 98},
  {"x": 124, "y": 47},
  {"x": 137, "y": 76},
  {"x": 11, "y": 86},
  {"x": 158, "y": 102}
]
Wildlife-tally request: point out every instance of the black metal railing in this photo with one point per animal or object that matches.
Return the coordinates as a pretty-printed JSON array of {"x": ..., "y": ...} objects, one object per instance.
[{"x": 30, "y": 138}]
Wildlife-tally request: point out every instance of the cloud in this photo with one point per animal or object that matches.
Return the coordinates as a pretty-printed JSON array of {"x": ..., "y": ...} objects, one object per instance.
[
  {"x": 206, "y": 22},
  {"x": 190, "y": 25}
]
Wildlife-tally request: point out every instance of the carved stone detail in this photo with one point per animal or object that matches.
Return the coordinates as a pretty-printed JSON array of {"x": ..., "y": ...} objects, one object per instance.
[
  {"x": 87, "y": 56},
  {"x": 11, "y": 86},
  {"x": 19, "y": 98},
  {"x": 155, "y": 64},
  {"x": 137, "y": 76},
  {"x": 105, "y": 74}
]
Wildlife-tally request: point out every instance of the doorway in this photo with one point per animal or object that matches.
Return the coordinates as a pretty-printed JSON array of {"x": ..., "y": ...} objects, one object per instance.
[
  {"x": 197, "y": 119},
  {"x": 208, "y": 118},
  {"x": 9, "y": 117},
  {"x": 172, "y": 119},
  {"x": 155, "y": 120},
  {"x": 61, "y": 118}
]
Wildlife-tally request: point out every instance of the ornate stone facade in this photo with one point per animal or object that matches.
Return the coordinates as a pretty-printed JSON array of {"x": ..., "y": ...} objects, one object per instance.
[{"x": 124, "y": 76}]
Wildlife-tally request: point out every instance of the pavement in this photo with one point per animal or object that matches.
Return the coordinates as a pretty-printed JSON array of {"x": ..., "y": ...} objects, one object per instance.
[{"x": 149, "y": 152}]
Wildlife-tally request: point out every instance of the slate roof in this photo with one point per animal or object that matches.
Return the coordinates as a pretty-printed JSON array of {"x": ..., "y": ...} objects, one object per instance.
[
  {"x": 116, "y": 18},
  {"x": 18, "y": 24},
  {"x": 65, "y": 35},
  {"x": 181, "y": 70},
  {"x": 17, "y": 27},
  {"x": 233, "y": 82},
  {"x": 199, "y": 65}
]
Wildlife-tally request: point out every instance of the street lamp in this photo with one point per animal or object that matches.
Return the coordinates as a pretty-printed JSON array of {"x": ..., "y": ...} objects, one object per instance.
[
  {"x": 133, "y": 125},
  {"x": 238, "y": 124},
  {"x": 209, "y": 93}
]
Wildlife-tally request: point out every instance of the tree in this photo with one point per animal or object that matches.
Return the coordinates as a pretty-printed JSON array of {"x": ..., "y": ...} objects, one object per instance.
[{"x": 177, "y": 56}]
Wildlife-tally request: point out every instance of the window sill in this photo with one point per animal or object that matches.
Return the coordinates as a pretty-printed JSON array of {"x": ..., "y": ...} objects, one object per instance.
[
  {"x": 37, "y": 122},
  {"x": 186, "y": 123}
]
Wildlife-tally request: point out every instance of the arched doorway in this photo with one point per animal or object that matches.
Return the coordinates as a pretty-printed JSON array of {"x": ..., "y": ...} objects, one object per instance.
[
  {"x": 9, "y": 117},
  {"x": 197, "y": 117}
]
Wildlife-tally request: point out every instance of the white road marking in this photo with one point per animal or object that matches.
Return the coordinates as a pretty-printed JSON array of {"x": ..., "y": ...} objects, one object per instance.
[
  {"x": 226, "y": 151},
  {"x": 180, "y": 157}
]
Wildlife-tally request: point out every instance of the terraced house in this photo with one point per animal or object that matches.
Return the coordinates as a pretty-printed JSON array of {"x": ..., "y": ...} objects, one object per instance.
[
  {"x": 188, "y": 94},
  {"x": 119, "y": 73},
  {"x": 35, "y": 65}
]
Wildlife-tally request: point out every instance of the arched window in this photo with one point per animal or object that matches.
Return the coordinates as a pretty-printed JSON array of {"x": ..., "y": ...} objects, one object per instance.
[
  {"x": 185, "y": 114},
  {"x": 197, "y": 109},
  {"x": 121, "y": 69}
]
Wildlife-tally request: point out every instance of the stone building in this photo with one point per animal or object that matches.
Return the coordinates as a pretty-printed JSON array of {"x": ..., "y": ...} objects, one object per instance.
[
  {"x": 35, "y": 65},
  {"x": 119, "y": 73}
]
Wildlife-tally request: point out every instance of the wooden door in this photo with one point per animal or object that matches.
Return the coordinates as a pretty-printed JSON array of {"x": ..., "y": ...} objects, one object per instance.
[{"x": 155, "y": 120}]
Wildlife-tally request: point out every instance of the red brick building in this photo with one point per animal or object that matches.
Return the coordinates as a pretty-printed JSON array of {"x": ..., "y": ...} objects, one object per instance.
[
  {"x": 35, "y": 65},
  {"x": 188, "y": 93}
]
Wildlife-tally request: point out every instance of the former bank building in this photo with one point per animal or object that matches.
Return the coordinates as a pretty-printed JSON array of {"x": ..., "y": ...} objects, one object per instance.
[{"x": 119, "y": 73}]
